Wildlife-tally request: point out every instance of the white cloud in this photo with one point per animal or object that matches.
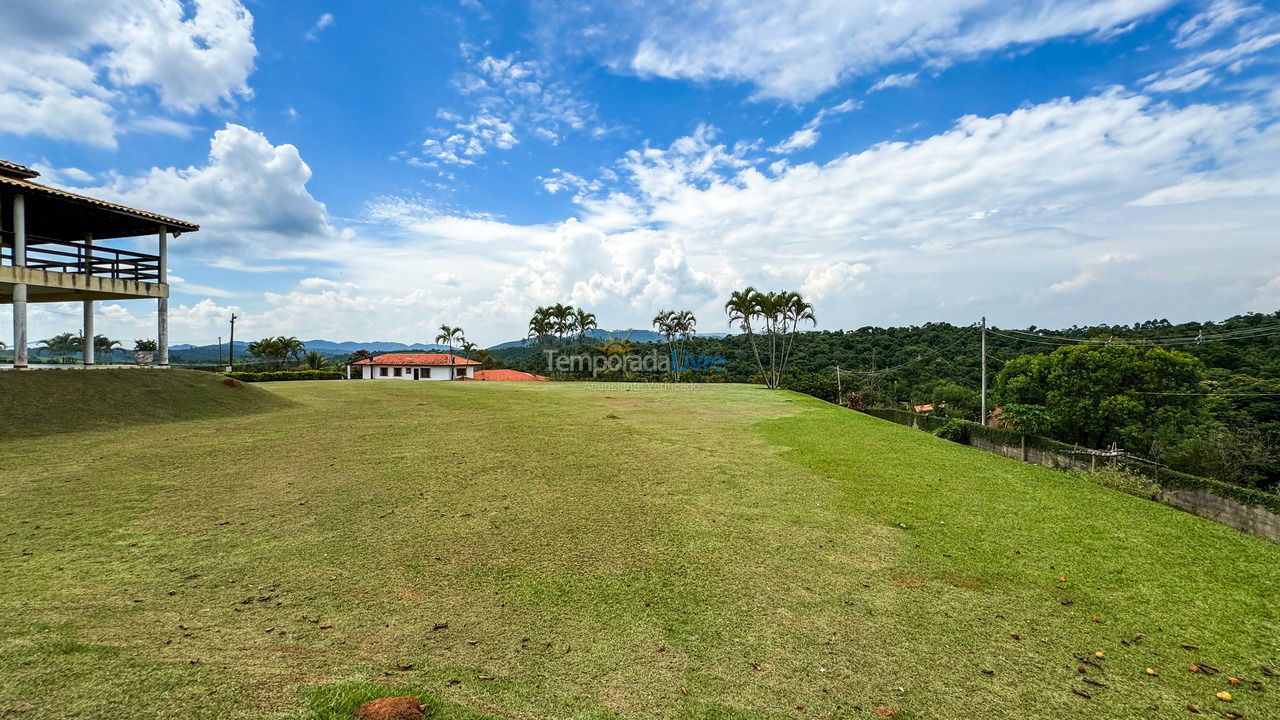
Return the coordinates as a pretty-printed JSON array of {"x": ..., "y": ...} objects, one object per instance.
[
  {"x": 1254, "y": 33},
  {"x": 509, "y": 100},
  {"x": 796, "y": 49},
  {"x": 902, "y": 80},
  {"x": 67, "y": 67},
  {"x": 1218, "y": 18},
  {"x": 807, "y": 136},
  {"x": 251, "y": 196},
  {"x": 322, "y": 22}
]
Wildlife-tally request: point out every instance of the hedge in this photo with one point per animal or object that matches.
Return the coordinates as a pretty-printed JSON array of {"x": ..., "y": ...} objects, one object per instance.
[
  {"x": 286, "y": 375},
  {"x": 1003, "y": 436}
]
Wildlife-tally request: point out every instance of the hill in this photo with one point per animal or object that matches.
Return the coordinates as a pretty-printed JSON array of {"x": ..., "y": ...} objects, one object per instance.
[
  {"x": 553, "y": 550},
  {"x": 42, "y": 402}
]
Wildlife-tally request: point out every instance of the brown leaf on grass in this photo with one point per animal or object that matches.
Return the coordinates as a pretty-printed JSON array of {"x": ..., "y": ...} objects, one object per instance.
[
  {"x": 440, "y": 626},
  {"x": 1015, "y": 636},
  {"x": 1068, "y": 601},
  {"x": 757, "y": 666},
  {"x": 1268, "y": 671},
  {"x": 1192, "y": 708},
  {"x": 1082, "y": 694},
  {"x": 1189, "y": 646},
  {"x": 988, "y": 672},
  {"x": 1208, "y": 669},
  {"x": 1095, "y": 683},
  {"x": 405, "y": 666},
  {"x": 1257, "y": 685},
  {"x": 484, "y": 677}
]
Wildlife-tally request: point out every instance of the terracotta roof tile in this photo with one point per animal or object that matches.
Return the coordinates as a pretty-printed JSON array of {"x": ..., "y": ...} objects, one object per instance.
[
  {"x": 416, "y": 359},
  {"x": 507, "y": 375}
]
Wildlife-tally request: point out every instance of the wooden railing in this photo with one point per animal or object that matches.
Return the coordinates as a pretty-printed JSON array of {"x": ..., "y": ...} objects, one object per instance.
[{"x": 77, "y": 258}]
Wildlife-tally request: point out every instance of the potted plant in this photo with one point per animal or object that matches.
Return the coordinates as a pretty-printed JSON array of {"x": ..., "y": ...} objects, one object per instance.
[{"x": 144, "y": 351}]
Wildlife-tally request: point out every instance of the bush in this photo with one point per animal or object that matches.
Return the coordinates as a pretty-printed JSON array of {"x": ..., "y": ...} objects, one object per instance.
[
  {"x": 286, "y": 375},
  {"x": 818, "y": 384},
  {"x": 955, "y": 430}
]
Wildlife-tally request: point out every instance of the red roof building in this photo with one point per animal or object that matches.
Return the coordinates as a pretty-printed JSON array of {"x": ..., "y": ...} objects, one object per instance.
[
  {"x": 505, "y": 375},
  {"x": 414, "y": 366}
]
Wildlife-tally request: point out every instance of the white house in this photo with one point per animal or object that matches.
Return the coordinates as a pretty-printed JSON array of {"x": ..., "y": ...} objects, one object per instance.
[{"x": 415, "y": 366}]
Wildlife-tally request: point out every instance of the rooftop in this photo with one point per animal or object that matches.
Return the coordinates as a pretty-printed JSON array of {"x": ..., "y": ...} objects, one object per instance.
[
  {"x": 417, "y": 359},
  {"x": 54, "y": 214}
]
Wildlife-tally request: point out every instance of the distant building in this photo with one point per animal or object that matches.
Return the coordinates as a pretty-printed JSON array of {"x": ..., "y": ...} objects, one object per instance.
[
  {"x": 414, "y": 366},
  {"x": 51, "y": 250},
  {"x": 506, "y": 375},
  {"x": 929, "y": 407}
]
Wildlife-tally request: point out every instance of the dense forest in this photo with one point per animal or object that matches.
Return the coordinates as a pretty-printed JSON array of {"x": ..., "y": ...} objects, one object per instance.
[{"x": 1201, "y": 397}]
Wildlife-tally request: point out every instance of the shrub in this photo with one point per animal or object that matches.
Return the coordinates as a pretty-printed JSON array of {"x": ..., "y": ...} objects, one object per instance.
[
  {"x": 286, "y": 375},
  {"x": 955, "y": 430},
  {"x": 144, "y": 345}
]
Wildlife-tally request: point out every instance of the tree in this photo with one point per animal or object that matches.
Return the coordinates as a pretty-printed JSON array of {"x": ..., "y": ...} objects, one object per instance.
[
  {"x": 1142, "y": 397},
  {"x": 449, "y": 336},
  {"x": 314, "y": 360},
  {"x": 562, "y": 320},
  {"x": 268, "y": 349},
  {"x": 469, "y": 348},
  {"x": 677, "y": 328},
  {"x": 61, "y": 346},
  {"x": 103, "y": 345},
  {"x": 541, "y": 326},
  {"x": 583, "y": 322},
  {"x": 488, "y": 361},
  {"x": 291, "y": 347},
  {"x": 742, "y": 309}
]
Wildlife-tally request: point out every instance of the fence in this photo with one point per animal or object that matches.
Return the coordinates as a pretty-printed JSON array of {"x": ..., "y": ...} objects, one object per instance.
[{"x": 1253, "y": 511}]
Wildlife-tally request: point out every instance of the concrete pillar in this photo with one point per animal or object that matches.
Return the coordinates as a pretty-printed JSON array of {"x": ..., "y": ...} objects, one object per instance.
[
  {"x": 19, "y": 290},
  {"x": 162, "y": 304},
  {"x": 86, "y": 344}
]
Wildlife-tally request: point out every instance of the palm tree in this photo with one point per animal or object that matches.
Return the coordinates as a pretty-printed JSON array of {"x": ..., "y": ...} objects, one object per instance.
[
  {"x": 583, "y": 322},
  {"x": 795, "y": 311},
  {"x": 469, "y": 348},
  {"x": 103, "y": 345},
  {"x": 291, "y": 347},
  {"x": 562, "y": 318},
  {"x": 61, "y": 346},
  {"x": 448, "y": 335},
  {"x": 742, "y": 308},
  {"x": 314, "y": 360},
  {"x": 677, "y": 327},
  {"x": 541, "y": 325}
]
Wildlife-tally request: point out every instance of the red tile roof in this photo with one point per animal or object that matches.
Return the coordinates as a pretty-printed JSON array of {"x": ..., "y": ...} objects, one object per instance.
[
  {"x": 417, "y": 359},
  {"x": 509, "y": 376}
]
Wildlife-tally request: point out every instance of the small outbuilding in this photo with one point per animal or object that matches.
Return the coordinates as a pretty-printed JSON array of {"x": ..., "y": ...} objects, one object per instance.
[{"x": 414, "y": 366}]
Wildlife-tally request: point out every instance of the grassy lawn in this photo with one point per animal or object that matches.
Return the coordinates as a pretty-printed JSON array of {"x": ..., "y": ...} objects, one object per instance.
[{"x": 543, "y": 550}]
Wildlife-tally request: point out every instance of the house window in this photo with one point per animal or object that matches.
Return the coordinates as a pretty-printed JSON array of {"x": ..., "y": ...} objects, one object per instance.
[
  {"x": 398, "y": 372},
  {"x": 460, "y": 372},
  {"x": 382, "y": 372}
]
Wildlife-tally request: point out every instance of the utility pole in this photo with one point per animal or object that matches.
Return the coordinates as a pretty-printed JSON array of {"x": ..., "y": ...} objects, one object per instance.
[
  {"x": 839, "y": 388},
  {"x": 219, "y": 350},
  {"x": 231, "y": 346},
  {"x": 984, "y": 370}
]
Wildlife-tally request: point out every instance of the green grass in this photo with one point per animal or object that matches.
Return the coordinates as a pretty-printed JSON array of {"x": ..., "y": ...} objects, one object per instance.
[
  {"x": 600, "y": 552},
  {"x": 41, "y": 402}
]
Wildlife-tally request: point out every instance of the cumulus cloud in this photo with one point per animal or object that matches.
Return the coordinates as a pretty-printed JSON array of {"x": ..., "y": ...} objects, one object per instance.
[
  {"x": 796, "y": 49},
  {"x": 67, "y": 67},
  {"x": 250, "y": 195},
  {"x": 322, "y": 22}
]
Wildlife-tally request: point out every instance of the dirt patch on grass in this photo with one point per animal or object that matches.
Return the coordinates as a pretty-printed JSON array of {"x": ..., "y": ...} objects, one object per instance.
[
  {"x": 911, "y": 581},
  {"x": 966, "y": 582},
  {"x": 232, "y": 382},
  {"x": 409, "y": 596},
  {"x": 889, "y": 712},
  {"x": 405, "y": 707}
]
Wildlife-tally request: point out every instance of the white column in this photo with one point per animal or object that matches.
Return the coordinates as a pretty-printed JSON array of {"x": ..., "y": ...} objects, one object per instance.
[
  {"x": 162, "y": 304},
  {"x": 86, "y": 345},
  {"x": 19, "y": 290}
]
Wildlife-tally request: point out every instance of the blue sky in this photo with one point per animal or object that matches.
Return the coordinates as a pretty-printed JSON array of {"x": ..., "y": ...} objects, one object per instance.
[{"x": 370, "y": 170}]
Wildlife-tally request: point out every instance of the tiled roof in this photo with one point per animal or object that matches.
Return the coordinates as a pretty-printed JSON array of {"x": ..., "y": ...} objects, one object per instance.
[
  {"x": 13, "y": 169},
  {"x": 23, "y": 185},
  {"x": 506, "y": 375},
  {"x": 416, "y": 359}
]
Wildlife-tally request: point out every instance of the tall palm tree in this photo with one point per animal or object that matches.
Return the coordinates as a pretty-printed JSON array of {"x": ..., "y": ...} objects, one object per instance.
[
  {"x": 583, "y": 322},
  {"x": 314, "y": 360},
  {"x": 449, "y": 335},
  {"x": 61, "y": 346},
  {"x": 541, "y": 326},
  {"x": 742, "y": 309},
  {"x": 562, "y": 317},
  {"x": 469, "y": 348},
  {"x": 677, "y": 328},
  {"x": 795, "y": 311},
  {"x": 103, "y": 345},
  {"x": 268, "y": 349}
]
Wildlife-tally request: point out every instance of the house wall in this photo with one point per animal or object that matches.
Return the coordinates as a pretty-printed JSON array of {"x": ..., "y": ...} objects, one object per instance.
[{"x": 371, "y": 372}]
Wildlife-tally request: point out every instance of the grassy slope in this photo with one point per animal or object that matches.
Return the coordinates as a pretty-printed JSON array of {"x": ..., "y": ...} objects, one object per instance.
[
  {"x": 41, "y": 402},
  {"x": 600, "y": 553}
]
